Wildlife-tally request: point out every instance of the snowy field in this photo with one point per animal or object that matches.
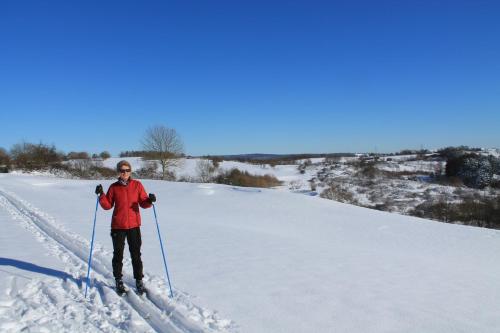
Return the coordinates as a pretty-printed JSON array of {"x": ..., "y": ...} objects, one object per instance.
[
  {"x": 187, "y": 168},
  {"x": 241, "y": 260}
]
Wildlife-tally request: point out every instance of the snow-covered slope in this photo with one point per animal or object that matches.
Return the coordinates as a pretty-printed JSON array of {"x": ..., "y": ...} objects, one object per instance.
[
  {"x": 187, "y": 169},
  {"x": 261, "y": 260}
]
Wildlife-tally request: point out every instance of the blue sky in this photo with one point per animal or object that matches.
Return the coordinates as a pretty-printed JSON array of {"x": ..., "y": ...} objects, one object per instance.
[{"x": 251, "y": 76}]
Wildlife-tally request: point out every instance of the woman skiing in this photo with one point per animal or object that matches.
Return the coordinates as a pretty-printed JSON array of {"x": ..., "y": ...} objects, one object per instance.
[{"x": 126, "y": 195}]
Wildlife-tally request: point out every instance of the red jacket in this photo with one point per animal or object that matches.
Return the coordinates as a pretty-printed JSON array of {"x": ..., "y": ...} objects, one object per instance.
[{"x": 126, "y": 199}]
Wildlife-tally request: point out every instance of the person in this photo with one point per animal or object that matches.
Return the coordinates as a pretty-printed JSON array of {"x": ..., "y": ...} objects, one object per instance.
[{"x": 126, "y": 195}]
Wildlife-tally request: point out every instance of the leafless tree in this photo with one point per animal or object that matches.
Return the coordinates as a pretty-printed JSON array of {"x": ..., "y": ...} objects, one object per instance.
[
  {"x": 4, "y": 157},
  {"x": 165, "y": 145},
  {"x": 205, "y": 170},
  {"x": 148, "y": 170},
  {"x": 83, "y": 165}
]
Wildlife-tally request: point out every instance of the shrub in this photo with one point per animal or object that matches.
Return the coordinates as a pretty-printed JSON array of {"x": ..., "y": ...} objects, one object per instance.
[
  {"x": 105, "y": 155},
  {"x": 103, "y": 172},
  {"x": 148, "y": 171},
  {"x": 205, "y": 170},
  {"x": 82, "y": 165},
  {"x": 475, "y": 171},
  {"x": 295, "y": 185},
  {"x": 303, "y": 166},
  {"x": 333, "y": 160},
  {"x": 216, "y": 161},
  {"x": 366, "y": 169},
  {"x": 449, "y": 181},
  {"x": 83, "y": 169},
  {"x": 407, "y": 152},
  {"x": 339, "y": 193},
  {"x": 31, "y": 156},
  {"x": 78, "y": 155},
  {"x": 480, "y": 213},
  {"x": 136, "y": 153},
  {"x": 243, "y": 178},
  {"x": 453, "y": 152},
  {"x": 4, "y": 161}
]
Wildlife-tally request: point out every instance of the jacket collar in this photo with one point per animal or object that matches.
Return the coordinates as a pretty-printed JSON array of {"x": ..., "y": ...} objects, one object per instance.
[{"x": 124, "y": 182}]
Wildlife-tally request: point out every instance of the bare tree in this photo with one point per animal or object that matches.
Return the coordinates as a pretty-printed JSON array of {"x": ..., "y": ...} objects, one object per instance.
[
  {"x": 4, "y": 157},
  {"x": 34, "y": 156},
  {"x": 165, "y": 146},
  {"x": 205, "y": 170},
  {"x": 83, "y": 165}
]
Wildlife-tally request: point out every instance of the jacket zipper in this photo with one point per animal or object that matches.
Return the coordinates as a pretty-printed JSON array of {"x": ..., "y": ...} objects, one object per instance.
[{"x": 128, "y": 208}]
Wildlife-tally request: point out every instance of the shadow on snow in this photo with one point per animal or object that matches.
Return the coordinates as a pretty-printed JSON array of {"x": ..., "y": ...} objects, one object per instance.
[{"x": 27, "y": 266}]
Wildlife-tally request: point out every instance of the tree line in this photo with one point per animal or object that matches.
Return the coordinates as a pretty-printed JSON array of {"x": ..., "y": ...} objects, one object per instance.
[
  {"x": 159, "y": 143},
  {"x": 35, "y": 156}
]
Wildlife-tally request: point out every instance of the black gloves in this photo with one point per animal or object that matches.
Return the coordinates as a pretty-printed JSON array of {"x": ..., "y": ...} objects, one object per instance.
[
  {"x": 152, "y": 197},
  {"x": 99, "y": 190}
]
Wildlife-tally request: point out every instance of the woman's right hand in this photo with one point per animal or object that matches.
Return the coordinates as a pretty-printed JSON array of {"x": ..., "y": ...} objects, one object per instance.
[{"x": 99, "y": 190}]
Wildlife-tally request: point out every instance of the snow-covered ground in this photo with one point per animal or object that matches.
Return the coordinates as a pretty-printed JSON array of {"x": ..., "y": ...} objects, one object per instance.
[
  {"x": 401, "y": 185},
  {"x": 492, "y": 151},
  {"x": 187, "y": 167},
  {"x": 241, "y": 259}
]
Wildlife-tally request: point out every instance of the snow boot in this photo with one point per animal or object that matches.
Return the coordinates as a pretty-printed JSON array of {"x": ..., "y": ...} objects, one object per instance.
[
  {"x": 141, "y": 289},
  {"x": 120, "y": 287}
]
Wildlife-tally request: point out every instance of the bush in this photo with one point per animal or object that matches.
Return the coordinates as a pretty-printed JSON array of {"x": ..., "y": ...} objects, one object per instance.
[
  {"x": 83, "y": 169},
  {"x": 102, "y": 172},
  {"x": 82, "y": 166},
  {"x": 303, "y": 166},
  {"x": 78, "y": 155},
  {"x": 205, "y": 170},
  {"x": 105, "y": 155},
  {"x": 339, "y": 193},
  {"x": 148, "y": 171},
  {"x": 215, "y": 161},
  {"x": 366, "y": 169},
  {"x": 407, "y": 152},
  {"x": 453, "y": 152},
  {"x": 243, "y": 178},
  {"x": 31, "y": 156},
  {"x": 448, "y": 181},
  {"x": 475, "y": 171},
  {"x": 4, "y": 161},
  {"x": 480, "y": 213},
  {"x": 333, "y": 160}
]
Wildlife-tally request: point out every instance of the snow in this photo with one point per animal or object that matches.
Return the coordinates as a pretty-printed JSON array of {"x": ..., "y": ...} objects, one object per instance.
[
  {"x": 411, "y": 166},
  {"x": 187, "y": 168},
  {"x": 135, "y": 162},
  {"x": 492, "y": 151},
  {"x": 241, "y": 259}
]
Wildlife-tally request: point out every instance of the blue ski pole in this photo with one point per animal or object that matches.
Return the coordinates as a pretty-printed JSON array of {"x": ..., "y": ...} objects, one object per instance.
[
  {"x": 91, "y": 247},
  {"x": 162, "y": 252}
]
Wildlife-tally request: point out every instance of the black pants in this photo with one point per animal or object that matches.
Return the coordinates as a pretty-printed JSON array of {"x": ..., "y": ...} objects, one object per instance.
[{"x": 134, "y": 245}]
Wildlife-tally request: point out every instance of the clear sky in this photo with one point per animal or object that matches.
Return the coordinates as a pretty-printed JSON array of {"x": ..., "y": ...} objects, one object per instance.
[{"x": 251, "y": 76}]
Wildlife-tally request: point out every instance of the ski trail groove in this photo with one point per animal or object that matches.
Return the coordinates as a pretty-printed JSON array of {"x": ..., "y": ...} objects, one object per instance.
[
  {"x": 159, "y": 314},
  {"x": 113, "y": 301}
]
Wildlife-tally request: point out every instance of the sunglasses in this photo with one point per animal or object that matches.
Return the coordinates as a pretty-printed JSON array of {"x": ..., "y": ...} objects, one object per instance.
[{"x": 124, "y": 170}]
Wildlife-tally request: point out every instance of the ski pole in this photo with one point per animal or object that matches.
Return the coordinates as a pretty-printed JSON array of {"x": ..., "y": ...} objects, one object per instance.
[
  {"x": 91, "y": 247},
  {"x": 162, "y": 252}
]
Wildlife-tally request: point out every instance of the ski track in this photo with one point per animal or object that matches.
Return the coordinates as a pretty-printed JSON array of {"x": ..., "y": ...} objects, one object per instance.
[{"x": 44, "y": 300}]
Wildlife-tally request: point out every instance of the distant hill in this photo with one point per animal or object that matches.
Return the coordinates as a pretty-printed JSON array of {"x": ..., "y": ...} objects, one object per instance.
[{"x": 258, "y": 156}]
